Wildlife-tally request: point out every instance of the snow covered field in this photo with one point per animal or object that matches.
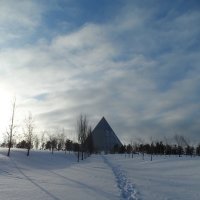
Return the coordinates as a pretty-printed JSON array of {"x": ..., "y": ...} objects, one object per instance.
[
  {"x": 59, "y": 176},
  {"x": 164, "y": 178}
]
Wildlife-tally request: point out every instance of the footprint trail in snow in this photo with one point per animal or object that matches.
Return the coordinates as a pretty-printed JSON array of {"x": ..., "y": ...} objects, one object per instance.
[{"x": 127, "y": 189}]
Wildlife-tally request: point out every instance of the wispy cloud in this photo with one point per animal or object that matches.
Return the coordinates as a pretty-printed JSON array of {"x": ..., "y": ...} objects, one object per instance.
[
  {"x": 139, "y": 68},
  {"x": 18, "y": 21}
]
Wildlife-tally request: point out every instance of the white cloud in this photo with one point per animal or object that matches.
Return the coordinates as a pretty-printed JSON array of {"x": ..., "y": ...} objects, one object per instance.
[
  {"x": 96, "y": 70},
  {"x": 18, "y": 19}
]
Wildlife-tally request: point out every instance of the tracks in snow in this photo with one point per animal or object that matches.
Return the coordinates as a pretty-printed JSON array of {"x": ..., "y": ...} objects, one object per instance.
[
  {"x": 128, "y": 191},
  {"x": 34, "y": 182}
]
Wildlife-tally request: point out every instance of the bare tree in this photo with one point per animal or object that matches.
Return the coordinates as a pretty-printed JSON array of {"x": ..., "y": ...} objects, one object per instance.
[
  {"x": 11, "y": 127},
  {"x": 43, "y": 139},
  {"x": 28, "y": 132},
  {"x": 181, "y": 142},
  {"x": 82, "y": 128},
  {"x": 168, "y": 146},
  {"x": 133, "y": 144},
  {"x": 89, "y": 141},
  {"x": 68, "y": 145},
  {"x": 61, "y": 140},
  {"x": 140, "y": 144},
  {"x": 152, "y": 147},
  {"x": 53, "y": 140},
  {"x": 36, "y": 141}
]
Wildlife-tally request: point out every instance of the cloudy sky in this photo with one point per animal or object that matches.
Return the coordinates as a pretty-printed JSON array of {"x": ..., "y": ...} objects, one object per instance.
[{"x": 135, "y": 62}]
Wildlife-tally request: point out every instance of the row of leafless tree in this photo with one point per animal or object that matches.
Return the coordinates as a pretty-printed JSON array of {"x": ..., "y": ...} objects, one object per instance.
[
  {"x": 51, "y": 140},
  {"x": 27, "y": 131},
  {"x": 83, "y": 147}
]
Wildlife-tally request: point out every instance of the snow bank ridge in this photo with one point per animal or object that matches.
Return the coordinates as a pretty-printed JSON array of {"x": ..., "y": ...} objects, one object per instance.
[{"x": 127, "y": 189}]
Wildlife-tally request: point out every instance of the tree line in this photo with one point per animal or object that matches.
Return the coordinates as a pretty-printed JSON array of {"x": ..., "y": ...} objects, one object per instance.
[
  {"x": 83, "y": 146},
  {"x": 180, "y": 147},
  {"x": 55, "y": 141}
]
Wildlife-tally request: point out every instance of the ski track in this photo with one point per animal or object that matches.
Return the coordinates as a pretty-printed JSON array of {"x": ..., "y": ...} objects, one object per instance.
[
  {"x": 128, "y": 191},
  {"x": 35, "y": 183},
  {"x": 42, "y": 188}
]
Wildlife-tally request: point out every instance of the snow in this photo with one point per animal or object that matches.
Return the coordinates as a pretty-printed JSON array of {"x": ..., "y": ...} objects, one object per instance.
[
  {"x": 164, "y": 178},
  {"x": 127, "y": 189},
  {"x": 59, "y": 176}
]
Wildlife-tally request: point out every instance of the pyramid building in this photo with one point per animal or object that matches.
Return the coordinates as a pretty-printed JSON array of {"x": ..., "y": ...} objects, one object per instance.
[{"x": 104, "y": 138}]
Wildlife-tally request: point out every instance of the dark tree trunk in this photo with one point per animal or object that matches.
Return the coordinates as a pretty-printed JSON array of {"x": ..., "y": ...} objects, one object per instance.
[
  {"x": 11, "y": 129},
  {"x": 28, "y": 152},
  {"x": 82, "y": 155},
  {"x": 9, "y": 146},
  {"x": 51, "y": 150},
  {"x": 78, "y": 155}
]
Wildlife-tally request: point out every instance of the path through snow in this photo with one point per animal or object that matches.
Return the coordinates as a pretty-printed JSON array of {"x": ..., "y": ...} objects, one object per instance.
[
  {"x": 127, "y": 188},
  {"x": 55, "y": 177}
]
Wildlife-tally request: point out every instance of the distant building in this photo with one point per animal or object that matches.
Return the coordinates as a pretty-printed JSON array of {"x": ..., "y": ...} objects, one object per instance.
[{"x": 104, "y": 138}]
